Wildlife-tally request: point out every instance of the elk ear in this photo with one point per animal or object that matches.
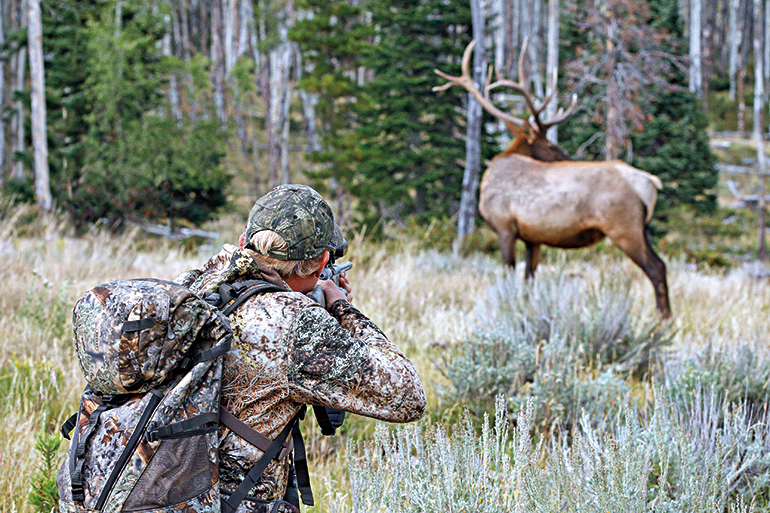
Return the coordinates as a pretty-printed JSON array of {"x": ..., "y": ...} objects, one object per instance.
[
  {"x": 531, "y": 134},
  {"x": 513, "y": 129}
]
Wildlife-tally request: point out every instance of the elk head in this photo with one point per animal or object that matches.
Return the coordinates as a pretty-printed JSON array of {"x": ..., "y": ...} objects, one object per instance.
[{"x": 528, "y": 139}]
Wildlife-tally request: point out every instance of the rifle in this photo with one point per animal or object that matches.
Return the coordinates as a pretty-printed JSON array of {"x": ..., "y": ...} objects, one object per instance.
[{"x": 329, "y": 272}]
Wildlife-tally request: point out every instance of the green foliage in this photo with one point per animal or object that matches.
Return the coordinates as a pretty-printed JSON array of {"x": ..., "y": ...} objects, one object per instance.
[
  {"x": 333, "y": 41},
  {"x": 562, "y": 341},
  {"x": 674, "y": 146},
  {"x": 44, "y": 494},
  {"x": 158, "y": 170},
  {"x": 115, "y": 156},
  {"x": 409, "y": 157}
]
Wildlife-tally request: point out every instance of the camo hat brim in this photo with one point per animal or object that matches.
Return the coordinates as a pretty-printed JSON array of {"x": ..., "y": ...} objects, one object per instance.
[{"x": 301, "y": 216}]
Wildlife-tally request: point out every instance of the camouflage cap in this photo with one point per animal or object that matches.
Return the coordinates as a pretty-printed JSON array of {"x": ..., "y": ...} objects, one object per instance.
[{"x": 301, "y": 216}]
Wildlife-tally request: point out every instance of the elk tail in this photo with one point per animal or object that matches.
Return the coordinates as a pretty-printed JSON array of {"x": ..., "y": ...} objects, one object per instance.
[{"x": 645, "y": 184}]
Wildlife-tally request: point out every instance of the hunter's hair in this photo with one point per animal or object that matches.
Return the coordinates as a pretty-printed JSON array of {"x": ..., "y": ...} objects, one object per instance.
[{"x": 265, "y": 240}]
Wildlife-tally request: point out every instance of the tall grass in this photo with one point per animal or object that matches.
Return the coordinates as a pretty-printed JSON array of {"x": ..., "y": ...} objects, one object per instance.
[{"x": 425, "y": 302}]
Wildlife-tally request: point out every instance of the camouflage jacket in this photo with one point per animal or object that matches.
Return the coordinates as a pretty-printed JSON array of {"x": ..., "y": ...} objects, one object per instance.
[{"x": 288, "y": 351}]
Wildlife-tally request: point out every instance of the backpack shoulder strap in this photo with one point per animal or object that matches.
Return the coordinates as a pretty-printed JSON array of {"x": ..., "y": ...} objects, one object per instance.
[
  {"x": 232, "y": 295},
  {"x": 250, "y": 434},
  {"x": 231, "y": 504}
]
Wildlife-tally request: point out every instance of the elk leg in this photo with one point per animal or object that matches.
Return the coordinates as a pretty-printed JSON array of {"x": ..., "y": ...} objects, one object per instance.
[
  {"x": 508, "y": 246},
  {"x": 533, "y": 258},
  {"x": 639, "y": 249}
]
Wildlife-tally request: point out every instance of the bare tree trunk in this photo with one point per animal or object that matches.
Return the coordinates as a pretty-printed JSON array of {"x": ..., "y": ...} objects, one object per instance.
[
  {"x": 552, "y": 66},
  {"x": 309, "y": 101},
  {"x": 245, "y": 27},
  {"x": 766, "y": 45},
  {"x": 467, "y": 214},
  {"x": 735, "y": 41},
  {"x": 37, "y": 80},
  {"x": 613, "y": 138},
  {"x": 536, "y": 47},
  {"x": 218, "y": 60},
  {"x": 228, "y": 19},
  {"x": 758, "y": 125},
  {"x": 696, "y": 62},
  {"x": 173, "y": 87},
  {"x": 21, "y": 70},
  {"x": 3, "y": 16},
  {"x": 21, "y": 80}
]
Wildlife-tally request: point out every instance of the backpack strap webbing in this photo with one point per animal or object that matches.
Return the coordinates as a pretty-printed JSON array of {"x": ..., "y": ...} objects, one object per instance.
[
  {"x": 231, "y": 295},
  {"x": 231, "y": 504},
  {"x": 198, "y": 425},
  {"x": 300, "y": 465},
  {"x": 250, "y": 434},
  {"x": 322, "y": 417}
]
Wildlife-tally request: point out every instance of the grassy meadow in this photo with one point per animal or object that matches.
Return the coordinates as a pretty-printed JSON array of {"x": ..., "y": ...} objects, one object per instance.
[{"x": 540, "y": 419}]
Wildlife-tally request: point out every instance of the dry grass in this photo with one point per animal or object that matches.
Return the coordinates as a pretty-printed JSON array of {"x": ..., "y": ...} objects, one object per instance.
[{"x": 422, "y": 299}]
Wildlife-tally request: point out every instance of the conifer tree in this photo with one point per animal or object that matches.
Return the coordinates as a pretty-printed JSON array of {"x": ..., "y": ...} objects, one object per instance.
[{"x": 409, "y": 157}]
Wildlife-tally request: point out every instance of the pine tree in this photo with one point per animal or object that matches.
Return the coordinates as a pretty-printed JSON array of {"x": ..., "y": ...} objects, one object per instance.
[
  {"x": 333, "y": 38},
  {"x": 409, "y": 157}
]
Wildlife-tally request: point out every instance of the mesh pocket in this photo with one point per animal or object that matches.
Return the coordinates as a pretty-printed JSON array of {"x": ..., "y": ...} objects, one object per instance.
[{"x": 179, "y": 471}]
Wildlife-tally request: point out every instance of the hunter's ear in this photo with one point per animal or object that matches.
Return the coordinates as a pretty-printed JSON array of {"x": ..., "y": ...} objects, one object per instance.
[
  {"x": 324, "y": 261},
  {"x": 242, "y": 240}
]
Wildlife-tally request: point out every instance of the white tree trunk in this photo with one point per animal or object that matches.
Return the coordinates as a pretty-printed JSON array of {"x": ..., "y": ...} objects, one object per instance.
[
  {"x": 696, "y": 61},
  {"x": 467, "y": 213},
  {"x": 173, "y": 86},
  {"x": 552, "y": 67},
  {"x": 245, "y": 28},
  {"x": 218, "y": 60},
  {"x": 735, "y": 41},
  {"x": 3, "y": 16},
  {"x": 228, "y": 18},
  {"x": 37, "y": 80},
  {"x": 280, "y": 68},
  {"x": 766, "y": 45},
  {"x": 758, "y": 125},
  {"x": 536, "y": 47}
]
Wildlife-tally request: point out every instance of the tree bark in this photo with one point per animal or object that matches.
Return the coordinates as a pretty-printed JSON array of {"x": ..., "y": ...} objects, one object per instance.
[
  {"x": 467, "y": 214},
  {"x": 758, "y": 125},
  {"x": 536, "y": 47},
  {"x": 552, "y": 67},
  {"x": 735, "y": 41},
  {"x": 173, "y": 86},
  {"x": 21, "y": 80},
  {"x": 228, "y": 30},
  {"x": 696, "y": 63},
  {"x": 218, "y": 61},
  {"x": 3, "y": 16},
  {"x": 37, "y": 81}
]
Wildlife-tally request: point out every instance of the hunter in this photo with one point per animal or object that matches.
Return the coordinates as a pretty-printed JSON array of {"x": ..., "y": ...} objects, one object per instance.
[{"x": 288, "y": 350}]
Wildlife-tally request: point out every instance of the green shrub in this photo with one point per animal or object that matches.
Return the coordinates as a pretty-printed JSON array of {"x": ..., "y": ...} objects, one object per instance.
[
  {"x": 43, "y": 494},
  {"x": 670, "y": 463},
  {"x": 564, "y": 342},
  {"x": 740, "y": 375}
]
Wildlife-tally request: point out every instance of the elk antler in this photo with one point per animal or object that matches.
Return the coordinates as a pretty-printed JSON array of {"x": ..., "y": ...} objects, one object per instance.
[
  {"x": 521, "y": 86},
  {"x": 466, "y": 81}
]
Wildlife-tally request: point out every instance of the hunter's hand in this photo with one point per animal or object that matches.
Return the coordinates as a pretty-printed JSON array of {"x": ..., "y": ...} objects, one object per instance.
[
  {"x": 331, "y": 291},
  {"x": 345, "y": 284}
]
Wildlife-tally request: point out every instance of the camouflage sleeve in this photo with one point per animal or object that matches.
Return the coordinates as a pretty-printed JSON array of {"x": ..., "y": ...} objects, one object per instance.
[{"x": 344, "y": 361}]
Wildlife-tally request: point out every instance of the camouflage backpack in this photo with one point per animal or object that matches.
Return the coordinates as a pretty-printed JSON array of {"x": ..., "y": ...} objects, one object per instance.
[{"x": 146, "y": 433}]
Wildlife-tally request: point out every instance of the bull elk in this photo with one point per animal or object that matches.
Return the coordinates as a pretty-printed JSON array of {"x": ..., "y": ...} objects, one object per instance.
[{"x": 532, "y": 191}]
